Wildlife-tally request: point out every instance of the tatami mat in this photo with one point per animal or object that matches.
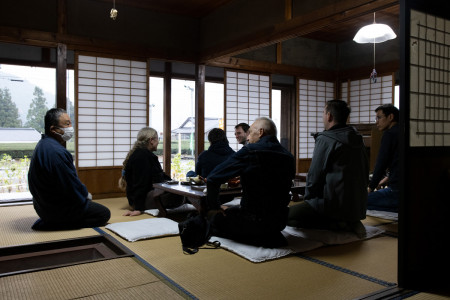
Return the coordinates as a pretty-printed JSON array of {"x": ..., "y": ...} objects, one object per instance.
[
  {"x": 334, "y": 272},
  {"x": 375, "y": 257},
  {"x": 219, "y": 274},
  {"x": 427, "y": 296},
  {"x": 122, "y": 278},
  {"x": 16, "y": 222},
  {"x": 118, "y": 206}
]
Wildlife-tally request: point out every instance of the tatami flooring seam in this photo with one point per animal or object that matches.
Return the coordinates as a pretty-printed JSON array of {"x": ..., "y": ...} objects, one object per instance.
[
  {"x": 154, "y": 270},
  {"x": 314, "y": 260},
  {"x": 347, "y": 271}
]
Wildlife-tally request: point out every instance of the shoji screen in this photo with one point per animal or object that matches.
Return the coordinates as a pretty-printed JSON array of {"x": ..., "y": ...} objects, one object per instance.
[
  {"x": 312, "y": 98},
  {"x": 112, "y": 107},
  {"x": 247, "y": 97},
  {"x": 364, "y": 97}
]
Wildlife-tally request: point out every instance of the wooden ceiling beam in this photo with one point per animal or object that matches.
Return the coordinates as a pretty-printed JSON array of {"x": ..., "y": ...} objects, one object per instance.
[
  {"x": 51, "y": 40},
  {"x": 298, "y": 26},
  {"x": 192, "y": 8},
  {"x": 274, "y": 68}
]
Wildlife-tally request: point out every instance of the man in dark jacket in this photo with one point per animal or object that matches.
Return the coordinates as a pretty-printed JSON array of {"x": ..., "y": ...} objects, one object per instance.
[
  {"x": 336, "y": 195},
  {"x": 386, "y": 166},
  {"x": 266, "y": 171},
  {"x": 59, "y": 197},
  {"x": 218, "y": 151}
]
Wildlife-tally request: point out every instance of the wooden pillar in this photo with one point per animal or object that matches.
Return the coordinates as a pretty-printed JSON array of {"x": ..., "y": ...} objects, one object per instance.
[
  {"x": 61, "y": 70},
  {"x": 61, "y": 58},
  {"x": 199, "y": 109},
  {"x": 167, "y": 127}
]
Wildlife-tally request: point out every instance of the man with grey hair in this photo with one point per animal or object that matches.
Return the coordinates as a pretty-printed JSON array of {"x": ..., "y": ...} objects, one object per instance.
[
  {"x": 266, "y": 171},
  {"x": 59, "y": 197}
]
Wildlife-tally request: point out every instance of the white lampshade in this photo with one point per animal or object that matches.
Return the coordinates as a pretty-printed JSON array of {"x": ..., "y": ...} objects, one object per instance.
[{"x": 374, "y": 33}]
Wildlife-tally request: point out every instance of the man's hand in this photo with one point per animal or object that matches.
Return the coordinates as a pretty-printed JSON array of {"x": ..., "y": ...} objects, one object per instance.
[
  {"x": 383, "y": 182},
  {"x": 132, "y": 213},
  {"x": 369, "y": 190}
]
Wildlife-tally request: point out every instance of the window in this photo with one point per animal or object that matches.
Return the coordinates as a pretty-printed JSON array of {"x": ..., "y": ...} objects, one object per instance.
[
  {"x": 26, "y": 93},
  {"x": 112, "y": 108},
  {"x": 313, "y": 96},
  {"x": 364, "y": 97},
  {"x": 156, "y": 111},
  {"x": 397, "y": 96},
  {"x": 247, "y": 98},
  {"x": 183, "y": 128},
  {"x": 276, "y": 110}
]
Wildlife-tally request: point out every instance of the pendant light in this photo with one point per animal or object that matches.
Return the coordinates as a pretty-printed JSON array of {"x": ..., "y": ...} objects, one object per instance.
[{"x": 374, "y": 33}]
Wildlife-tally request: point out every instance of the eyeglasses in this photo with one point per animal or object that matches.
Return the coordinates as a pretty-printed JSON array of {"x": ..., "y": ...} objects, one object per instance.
[{"x": 377, "y": 118}]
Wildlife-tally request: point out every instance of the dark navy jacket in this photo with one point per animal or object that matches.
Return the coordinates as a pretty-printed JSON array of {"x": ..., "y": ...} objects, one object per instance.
[
  {"x": 58, "y": 194},
  {"x": 266, "y": 170},
  {"x": 216, "y": 154}
]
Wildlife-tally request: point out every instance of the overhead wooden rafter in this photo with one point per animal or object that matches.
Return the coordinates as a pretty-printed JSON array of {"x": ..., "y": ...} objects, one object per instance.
[{"x": 316, "y": 22}]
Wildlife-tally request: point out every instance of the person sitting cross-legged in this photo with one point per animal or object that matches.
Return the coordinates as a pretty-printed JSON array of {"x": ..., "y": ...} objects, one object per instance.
[
  {"x": 335, "y": 194},
  {"x": 266, "y": 170},
  {"x": 387, "y": 162}
]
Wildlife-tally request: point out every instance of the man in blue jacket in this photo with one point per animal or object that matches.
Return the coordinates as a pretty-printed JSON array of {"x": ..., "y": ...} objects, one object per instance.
[
  {"x": 266, "y": 171},
  {"x": 59, "y": 198},
  {"x": 335, "y": 196}
]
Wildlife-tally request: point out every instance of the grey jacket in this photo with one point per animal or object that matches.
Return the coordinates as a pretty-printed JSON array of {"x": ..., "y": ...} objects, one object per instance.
[{"x": 336, "y": 185}]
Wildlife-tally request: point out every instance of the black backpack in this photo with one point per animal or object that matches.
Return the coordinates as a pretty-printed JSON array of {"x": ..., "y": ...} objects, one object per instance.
[{"x": 195, "y": 232}]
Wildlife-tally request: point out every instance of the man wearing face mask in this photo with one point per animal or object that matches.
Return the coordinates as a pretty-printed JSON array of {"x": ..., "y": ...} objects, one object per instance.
[{"x": 59, "y": 198}]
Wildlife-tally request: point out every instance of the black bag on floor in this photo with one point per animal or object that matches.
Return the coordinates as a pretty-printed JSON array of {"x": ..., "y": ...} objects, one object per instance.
[{"x": 194, "y": 233}]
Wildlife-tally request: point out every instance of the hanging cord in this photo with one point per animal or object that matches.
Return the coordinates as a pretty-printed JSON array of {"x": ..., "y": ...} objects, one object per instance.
[{"x": 373, "y": 75}]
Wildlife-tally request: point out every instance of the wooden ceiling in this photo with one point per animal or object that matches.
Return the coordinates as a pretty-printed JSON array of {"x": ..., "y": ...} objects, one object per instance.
[
  {"x": 336, "y": 32},
  {"x": 193, "y": 8},
  {"x": 346, "y": 30},
  {"x": 334, "y": 23}
]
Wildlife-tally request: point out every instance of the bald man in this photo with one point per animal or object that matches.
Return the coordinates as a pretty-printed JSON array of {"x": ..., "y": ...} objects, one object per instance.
[{"x": 266, "y": 170}]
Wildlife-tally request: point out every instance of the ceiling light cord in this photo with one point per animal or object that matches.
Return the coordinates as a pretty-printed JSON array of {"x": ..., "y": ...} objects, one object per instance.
[{"x": 373, "y": 75}]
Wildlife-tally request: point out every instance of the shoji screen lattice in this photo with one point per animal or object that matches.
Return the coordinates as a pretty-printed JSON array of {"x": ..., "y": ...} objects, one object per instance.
[
  {"x": 247, "y": 97},
  {"x": 312, "y": 98},
  {"x": 364, "y": 97},
  {"x": 112, "y": 107},
  {"x": 430, "y": 81}
]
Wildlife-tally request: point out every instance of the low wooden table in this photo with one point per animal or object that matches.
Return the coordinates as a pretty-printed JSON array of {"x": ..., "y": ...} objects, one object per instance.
[{"x": 195, "y": 196}]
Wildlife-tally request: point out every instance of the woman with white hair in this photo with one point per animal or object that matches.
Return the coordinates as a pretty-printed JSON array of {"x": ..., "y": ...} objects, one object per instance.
[{"x": 141, "y": 168}]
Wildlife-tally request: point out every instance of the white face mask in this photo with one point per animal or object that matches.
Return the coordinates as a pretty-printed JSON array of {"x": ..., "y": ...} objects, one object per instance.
[{"x": 68, "y": 133}]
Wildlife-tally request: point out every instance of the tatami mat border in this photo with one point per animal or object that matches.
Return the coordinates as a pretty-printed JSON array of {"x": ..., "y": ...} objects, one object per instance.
[
  {"x": 390, "y": 234},
  {"x": 387, "y": 232},
  {"x": 152, "y": 268},
  {"x": 323, "y": 263},
  {"x": 347, "y": 271}
]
